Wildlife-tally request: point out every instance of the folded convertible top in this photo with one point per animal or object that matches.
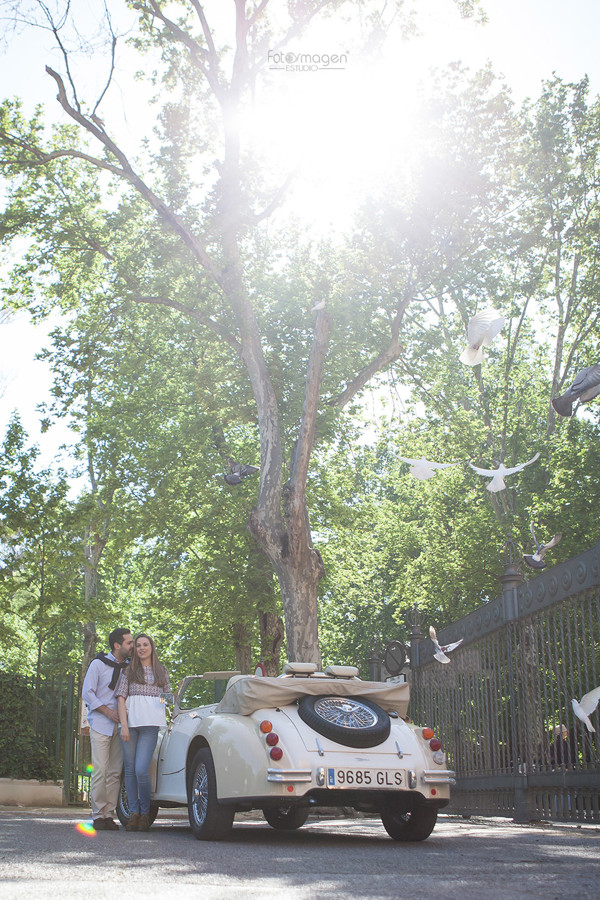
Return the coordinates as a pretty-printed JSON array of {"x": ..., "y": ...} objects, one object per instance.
[{"x": 245, "y": 693}]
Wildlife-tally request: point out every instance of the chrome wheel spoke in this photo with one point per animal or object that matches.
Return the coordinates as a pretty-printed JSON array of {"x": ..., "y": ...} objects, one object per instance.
[{"x": 200, "y": 795}]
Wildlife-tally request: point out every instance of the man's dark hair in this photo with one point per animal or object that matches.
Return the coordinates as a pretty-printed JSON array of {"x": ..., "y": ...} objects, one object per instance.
[{"x": 116, "y": 636}]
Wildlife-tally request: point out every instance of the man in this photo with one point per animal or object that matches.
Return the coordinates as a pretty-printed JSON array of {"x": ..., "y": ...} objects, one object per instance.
[{"x": 107, "y": 757}]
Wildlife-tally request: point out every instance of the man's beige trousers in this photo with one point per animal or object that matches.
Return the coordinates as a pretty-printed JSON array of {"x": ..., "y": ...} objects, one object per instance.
[{"x": 107, "y": 762}]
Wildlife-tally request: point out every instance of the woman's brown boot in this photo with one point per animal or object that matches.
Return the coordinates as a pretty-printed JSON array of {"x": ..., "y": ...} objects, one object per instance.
[
  {"x": 144, "y": 824},
  {"x": 134, "y": 822}
]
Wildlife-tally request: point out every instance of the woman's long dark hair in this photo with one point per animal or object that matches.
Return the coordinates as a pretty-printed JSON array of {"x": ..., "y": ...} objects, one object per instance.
[{"x": 135, "y": 669}]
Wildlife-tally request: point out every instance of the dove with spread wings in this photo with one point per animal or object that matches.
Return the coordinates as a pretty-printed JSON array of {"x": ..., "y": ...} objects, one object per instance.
[
  {"x": 442, "y": 649},
  {"x": 424, "y": 468},
  {"x": 237, "y": 471},
  {"x": 498, "y": 475},
  {"x": 536, "y": 561}
]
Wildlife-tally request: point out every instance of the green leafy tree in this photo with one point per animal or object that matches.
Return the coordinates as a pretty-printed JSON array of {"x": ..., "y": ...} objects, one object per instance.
[
  {"x": 172, "y": 239},
  {"x": 39, "y": 575}
]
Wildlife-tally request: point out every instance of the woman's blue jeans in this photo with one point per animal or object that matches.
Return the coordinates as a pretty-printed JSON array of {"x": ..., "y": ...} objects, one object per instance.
[{"x": 137, "y": 756}]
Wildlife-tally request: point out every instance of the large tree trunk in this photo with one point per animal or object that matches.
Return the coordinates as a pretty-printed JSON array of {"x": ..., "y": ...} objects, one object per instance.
[
  {"x": 243, "y": 648},
  {"x": 272, "y": 635},
  {"x": 287, "y": 543},
  {"x": 299, "y": 570},
  {"x": 90, "y": 642},
  {"x": 299, "y": 588}
]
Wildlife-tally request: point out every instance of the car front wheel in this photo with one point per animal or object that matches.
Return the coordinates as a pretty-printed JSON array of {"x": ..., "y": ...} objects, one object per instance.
[
  {"x": 209, "y": 819},
  {"x": 286, "y": 818},
  {"x": 414, "y": 824}
]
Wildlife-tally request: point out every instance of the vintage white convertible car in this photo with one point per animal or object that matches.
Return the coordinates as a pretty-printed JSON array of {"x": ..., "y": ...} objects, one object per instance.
[{"x": 286, "y": 745}]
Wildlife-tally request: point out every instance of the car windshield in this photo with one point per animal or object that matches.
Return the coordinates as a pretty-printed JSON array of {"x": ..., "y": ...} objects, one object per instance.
[{"x": 197, "y": 693}]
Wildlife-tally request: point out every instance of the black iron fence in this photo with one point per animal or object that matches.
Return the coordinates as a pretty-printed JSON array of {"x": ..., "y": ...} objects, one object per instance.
[
  {"x": 503, "y": 704},
  {"x": 55, "y": 712}
]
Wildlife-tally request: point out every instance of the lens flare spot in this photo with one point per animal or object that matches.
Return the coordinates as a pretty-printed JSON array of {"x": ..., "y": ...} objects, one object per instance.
[
  {"x": 89, "y": 769},
  {"x": 86, "y": 828}
]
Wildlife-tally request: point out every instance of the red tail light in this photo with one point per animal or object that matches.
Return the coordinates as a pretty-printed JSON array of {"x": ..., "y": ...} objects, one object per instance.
[
  {"x": 272, "y": 739},
  {"x": 275, "y": 752},
  {"x": 434, "y": 743}
]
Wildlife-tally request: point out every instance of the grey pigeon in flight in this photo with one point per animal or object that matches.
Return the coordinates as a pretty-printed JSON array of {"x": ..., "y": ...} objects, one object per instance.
[
  {"x": 498, "y": 475},
  {"x": 423, "y": 468},
  {"x": 585, "y": 387},
  {"x": 237, "y": 471},
  {"x": 536, "y": 561},
  {"x": 482, "y": 330},
  {"x": 586, "y": 706},
  {"x": 442, "y": 649}
]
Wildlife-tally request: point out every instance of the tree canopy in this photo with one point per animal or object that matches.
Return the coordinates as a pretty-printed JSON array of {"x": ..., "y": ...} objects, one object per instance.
[{"x": 200, "y": 325}]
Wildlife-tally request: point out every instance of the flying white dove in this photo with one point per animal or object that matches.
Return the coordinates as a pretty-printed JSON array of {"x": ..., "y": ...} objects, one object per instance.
[
  {"x": 586, "y": 707},
  {"x": 585, "y": 387},
  {"x": 440, "y": 651},
  {"x": 482, "y": 330},
  {"x": 498, "y": 475},
  {"x": 537, "y": 560},
  {"x": 423, "y": 468}
]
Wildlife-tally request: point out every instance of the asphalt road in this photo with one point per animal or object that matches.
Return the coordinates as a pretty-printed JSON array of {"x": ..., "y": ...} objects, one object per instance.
[{"x": 42, "y": 855}]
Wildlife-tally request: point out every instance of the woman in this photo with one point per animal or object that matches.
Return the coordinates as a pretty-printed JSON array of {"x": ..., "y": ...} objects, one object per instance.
[{"x": 141, "y": 714}]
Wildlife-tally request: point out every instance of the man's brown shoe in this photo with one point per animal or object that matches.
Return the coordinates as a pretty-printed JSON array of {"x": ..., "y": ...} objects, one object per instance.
[
  {"x": 134, "y": 822},
  {"x": 99, "y": 824},
  {"x": 110, "y": 825},
  {"x": 144, "y": 822}
]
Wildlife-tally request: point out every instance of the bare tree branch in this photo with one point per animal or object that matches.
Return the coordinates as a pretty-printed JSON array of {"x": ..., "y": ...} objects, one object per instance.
[
  {"x": 108, "y": 81},
  {"x": 127, "y": 172},
  {"x": 256, "y": 14},
  {"x": 379, "y": 362},
  {"x": 276, "y": 201},
  {"x": 194, "y": 314},
  {"x": 198, "y": 54},
  {"x": 41, "y": 157},
  {"x": 212, "y": 50},
  {"x": 56, "y": 32}
]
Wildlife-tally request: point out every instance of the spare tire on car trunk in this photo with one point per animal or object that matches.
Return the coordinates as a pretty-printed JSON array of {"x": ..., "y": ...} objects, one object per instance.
[{"x": 352, "y": 721}]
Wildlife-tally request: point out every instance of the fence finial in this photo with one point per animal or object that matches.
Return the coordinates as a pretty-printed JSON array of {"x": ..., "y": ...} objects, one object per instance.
[
  {"x": 415, "y": 620},
  {"x": 512, "y": 576},
  {"x": 375, "y": 664}
]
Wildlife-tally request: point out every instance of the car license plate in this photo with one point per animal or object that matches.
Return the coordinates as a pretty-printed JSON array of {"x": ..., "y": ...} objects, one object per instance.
[{"x": 365, "y": 778}]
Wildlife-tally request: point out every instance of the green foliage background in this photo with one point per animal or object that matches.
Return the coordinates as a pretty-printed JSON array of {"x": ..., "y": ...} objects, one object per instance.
[{"x": 22, "y": 754}]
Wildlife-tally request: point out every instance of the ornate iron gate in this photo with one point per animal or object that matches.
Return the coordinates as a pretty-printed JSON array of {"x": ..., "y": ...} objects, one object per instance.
[
  {"x": 54, "y": 709},
  {"x": 503, "y": 704}
]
